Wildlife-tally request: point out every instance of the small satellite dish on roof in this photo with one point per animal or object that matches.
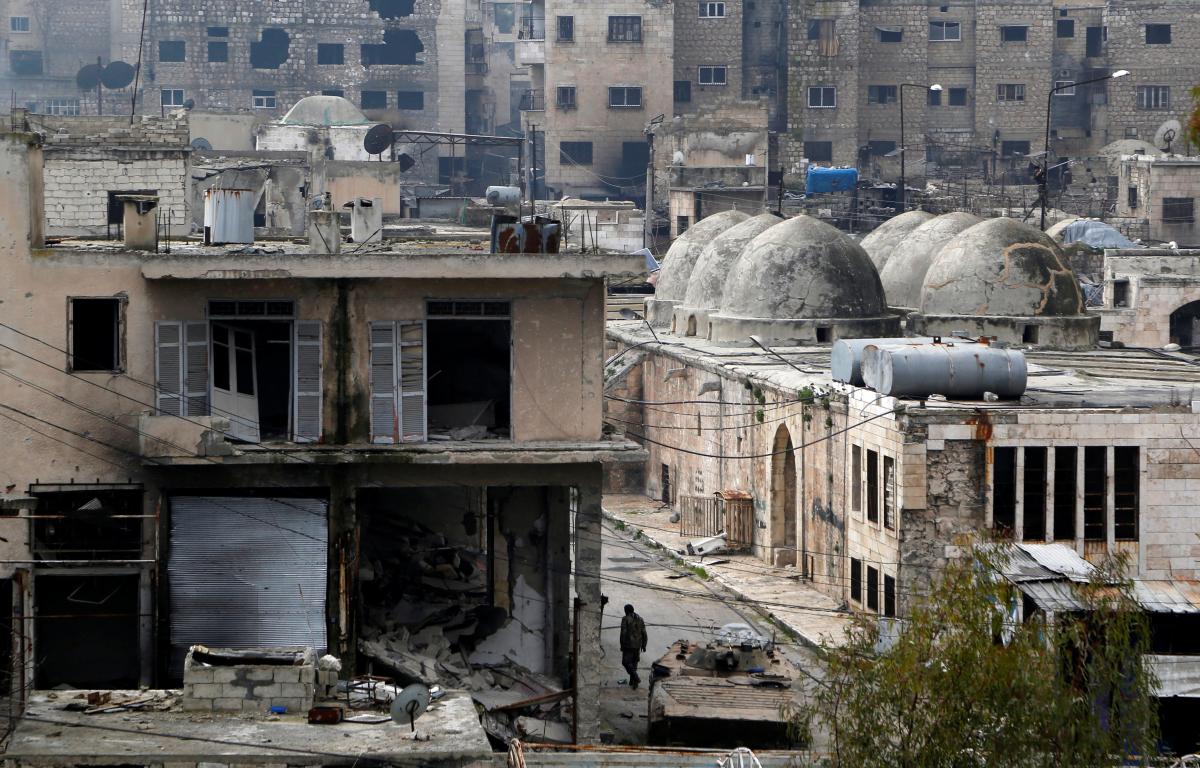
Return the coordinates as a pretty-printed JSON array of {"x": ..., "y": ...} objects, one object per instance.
[
  {"x": 1166, "y": 134},
  {"x": 410, "y": 704},
  {"x": 378, "y": 139},
  {"x": 117, "y": 75},
  {"x": 201, "y": 143},
  {"x": 88, "y": 77}
]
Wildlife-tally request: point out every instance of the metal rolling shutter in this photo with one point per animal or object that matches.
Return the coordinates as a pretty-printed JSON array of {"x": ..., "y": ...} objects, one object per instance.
[{"x": 246, "y": 571}]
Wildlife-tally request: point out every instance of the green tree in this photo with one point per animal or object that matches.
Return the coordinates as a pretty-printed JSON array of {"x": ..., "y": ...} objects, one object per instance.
[{"x": 966, "y": 685}]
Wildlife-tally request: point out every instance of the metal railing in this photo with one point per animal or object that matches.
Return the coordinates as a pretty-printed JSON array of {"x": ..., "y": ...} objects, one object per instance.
[
  {"x": 533, "y": 101},
  {"x": 532, "y": 28}
]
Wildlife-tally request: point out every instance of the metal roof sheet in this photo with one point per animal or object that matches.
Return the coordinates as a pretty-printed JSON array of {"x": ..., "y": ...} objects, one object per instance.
[
  {"x": 1168, "y": 595},
  {"x": 1060, "y": 559},
  {"x": 1053, "y": 596}
]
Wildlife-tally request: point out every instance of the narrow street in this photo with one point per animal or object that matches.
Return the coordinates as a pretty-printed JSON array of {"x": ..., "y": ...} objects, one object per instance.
[{"x": 674, "y": 604}]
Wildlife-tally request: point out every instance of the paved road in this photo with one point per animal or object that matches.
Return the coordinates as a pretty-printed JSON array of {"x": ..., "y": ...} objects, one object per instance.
[{"x": 654, "y": 588}]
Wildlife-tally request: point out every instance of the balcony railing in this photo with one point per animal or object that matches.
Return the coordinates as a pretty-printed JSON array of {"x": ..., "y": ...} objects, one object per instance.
[
  {"x": 532, "y": 28},
  {"x": 533, "y": 101}
]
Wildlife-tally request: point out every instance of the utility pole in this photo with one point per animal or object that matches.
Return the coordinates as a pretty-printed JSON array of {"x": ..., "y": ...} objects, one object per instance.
[{"x": 533, "y": 185}]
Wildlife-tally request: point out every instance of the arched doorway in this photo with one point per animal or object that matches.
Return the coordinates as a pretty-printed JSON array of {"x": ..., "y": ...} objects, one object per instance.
[
  {"x": 1185, "y": 325},
  {"x": 783, "y": 500}
]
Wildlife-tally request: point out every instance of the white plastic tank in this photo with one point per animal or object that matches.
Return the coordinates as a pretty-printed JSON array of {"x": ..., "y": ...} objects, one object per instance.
[
  {"x": 366, "y": 220},
  {"x": 228, "y": 216},
  {"x": 963, "y": 371}
]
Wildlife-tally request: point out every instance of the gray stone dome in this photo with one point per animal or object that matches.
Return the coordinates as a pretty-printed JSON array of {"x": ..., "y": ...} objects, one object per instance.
[
  {"x": 681, "y": 258},
  {"x": 882, "y": 241},
  {"x": 1005, "y": 279},
  {"x": 904, "y": 273},
  {"x": 324, "y": 110},
  {"x": 802, "y": 281},
  {"x": 707, "y": 285}
]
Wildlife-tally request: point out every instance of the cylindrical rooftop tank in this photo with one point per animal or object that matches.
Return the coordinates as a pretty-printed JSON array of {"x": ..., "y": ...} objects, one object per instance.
[
  {"x": 963, "y": 371},
  {"x": 228, "y": 216},
  {"x": 847, "y": 355}
]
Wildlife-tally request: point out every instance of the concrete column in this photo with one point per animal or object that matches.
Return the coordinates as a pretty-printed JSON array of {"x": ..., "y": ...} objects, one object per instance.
[
  {"x": 1019, "y": 511},
  {"x": 1079, "y": 482},
  {"x": 1109, "y": 498},
  {"x": 1051, "y": 458},
  {"x": 587, "y": 592}
]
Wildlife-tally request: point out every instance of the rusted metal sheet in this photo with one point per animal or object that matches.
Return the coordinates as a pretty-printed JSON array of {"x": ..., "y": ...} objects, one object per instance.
[{"x": 510, "y": 235}]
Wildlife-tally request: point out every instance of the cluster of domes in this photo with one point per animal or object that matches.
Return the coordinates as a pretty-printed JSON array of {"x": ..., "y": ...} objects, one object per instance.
[{"x": 800, "y": 281}]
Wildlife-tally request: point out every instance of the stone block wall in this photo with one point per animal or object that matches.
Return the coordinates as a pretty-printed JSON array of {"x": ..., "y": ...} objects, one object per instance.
[
  {"x": 250, "y": 687},
  {"x": 813, "y": 63},
  {"x": 707, "y": 42},
  {"x": 77, "y": 187}
]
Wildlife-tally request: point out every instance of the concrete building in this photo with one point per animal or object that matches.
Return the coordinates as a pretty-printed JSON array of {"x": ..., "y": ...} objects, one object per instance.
[
  {"x": 282, "y": 424},
  {"x": 1151, "y": 297},
  {"x": 1159, "y": 193},
  {"x": 996, "y": 62},
  {"x": 866, "y": 493}
]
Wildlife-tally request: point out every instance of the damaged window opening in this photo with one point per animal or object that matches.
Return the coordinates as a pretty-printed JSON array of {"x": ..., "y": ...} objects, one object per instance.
[
  {"x": 87, "y": 631},
  {"x": 251, "y": 382},
  {"x": 872, "y": 588},
  {"x": 399, "y": 46},
  {"x": 872, "y": 487},
  {"x": 889, "y": 493},
  {"x": 1004, "y": 491},
  {"x": 100, "y": 524},
  {"x": 889, "y": 596},
  {"x": 96, "y": 328},
  {"x": 1095, "y": 493},
  {"x": 25, "y": 63},
  {"x": 414, "y": 100},
  {"x": 1034, "y": 509},
  {"x": 392, "y": 9},
  {"x": 271, "y": 51},
  {"x": 469, "y": 376},
  {"x": 373, "y": 100},
  {"x": 1066, "y": 468},
  {"x": 218, "y": 51},
  {"x": 1126, "y": 476},
  {"x": 331, "y": 54},
  {"x": 218, "y": 31},
  {"x": 856, "y": 579}
]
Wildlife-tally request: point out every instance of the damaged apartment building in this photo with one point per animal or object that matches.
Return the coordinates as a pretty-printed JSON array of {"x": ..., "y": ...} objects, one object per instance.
[
  {"x": 604, "y": 76},
  {"x": 996, "y": 62},
  {"x": 391, "y": 456},
  {"x": 754, "y": 389}
]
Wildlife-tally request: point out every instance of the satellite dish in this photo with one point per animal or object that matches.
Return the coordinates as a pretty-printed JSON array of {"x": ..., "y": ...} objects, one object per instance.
[
  {"x": 88, "y": 77},
  {"x": 378, "y": 139},
  {"x": 406, "y": 161},
  {"x": 117, "y": 75},
  {"x": 410, "y": 704},
  {"x": 201, "y": 143},
  {"x": 190, "y": 104},
  {"x": 1166, "y": 134}
]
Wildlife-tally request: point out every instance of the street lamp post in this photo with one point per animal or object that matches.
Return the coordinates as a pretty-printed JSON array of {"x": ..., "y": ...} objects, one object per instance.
[
  {"x": 902, "y": 197},
  {"x": 1044, "y": 180}
]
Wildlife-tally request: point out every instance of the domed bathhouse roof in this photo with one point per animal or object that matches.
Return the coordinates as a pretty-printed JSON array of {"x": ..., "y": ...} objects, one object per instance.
[
  {"x": 706, "y": 287},
  {"x": 802, "y": 282},
  {"x": 324, "y": 110},
  {"x": 904, "y": 273},
  {"x": 882, "y": 241},
  {"x": 1005, "y": 279},
  {"x": 679, "y": 260}
]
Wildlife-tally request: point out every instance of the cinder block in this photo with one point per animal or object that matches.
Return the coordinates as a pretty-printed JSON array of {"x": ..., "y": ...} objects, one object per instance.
[
  {"x": 293, "y": 690},
  {"x": 224, "y": 674},
  {"x": 307, "y": 675},
  {"x": 199, "y": 675},
  {"x": 268, "y": 691},
  {"x": 197, "y": 705},
  {"x": 227, "y": 705},
  {"x": 232, "y": 690},
  {"x": 260, "y": 675},
  {"x": 287, "y": 675},
  {"x": 208, "y": 691}
]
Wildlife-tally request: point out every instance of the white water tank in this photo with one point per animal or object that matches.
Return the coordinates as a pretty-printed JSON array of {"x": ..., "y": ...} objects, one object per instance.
[
  {"x": 366, "y": 220},
  {"x": 228, "y": 216}
]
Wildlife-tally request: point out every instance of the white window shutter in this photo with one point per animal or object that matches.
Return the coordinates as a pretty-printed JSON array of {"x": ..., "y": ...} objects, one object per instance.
[
  {"x": 306, "y": 382},
  {"x": 195, "y": 368},
  {"x": 383, "y": 382},
  {"x": 411, "y": 347},
  {"x": 168, "y": 367}
]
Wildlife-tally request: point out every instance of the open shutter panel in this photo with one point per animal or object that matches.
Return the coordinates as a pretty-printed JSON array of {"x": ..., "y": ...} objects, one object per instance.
[
  {"x": 307, "y": 382},
  {"x": 412, "y": 381},
  {"x": 383, "y": 382},
  {"x": 168, "y": 367},
  {"x": 195, "y": 368}
]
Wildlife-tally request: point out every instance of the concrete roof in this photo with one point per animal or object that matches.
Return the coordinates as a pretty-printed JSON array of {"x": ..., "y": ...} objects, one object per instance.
[
  {"x": 706, "y": 287},
  {"x": 803, "y": 268},
  {"x": 882, "y": 241},
  {"x": 324, "y": 110},
  {"x": 904, "y": 273},
  {"x": 681, "y": 258},
  {"x": 1001, "y": 267}
]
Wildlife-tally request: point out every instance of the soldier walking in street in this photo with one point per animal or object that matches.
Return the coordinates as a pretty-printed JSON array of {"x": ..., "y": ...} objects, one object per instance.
[{"x": 633, "y": 642}]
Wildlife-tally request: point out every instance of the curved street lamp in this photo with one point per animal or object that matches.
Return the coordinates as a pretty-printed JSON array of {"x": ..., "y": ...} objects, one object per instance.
[
  {"x": 902, "y": 197},
  {"x": 1044, "y": 180}
]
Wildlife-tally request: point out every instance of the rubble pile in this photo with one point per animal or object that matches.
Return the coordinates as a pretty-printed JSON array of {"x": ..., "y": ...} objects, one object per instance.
[{"x": 428, "y": 616}]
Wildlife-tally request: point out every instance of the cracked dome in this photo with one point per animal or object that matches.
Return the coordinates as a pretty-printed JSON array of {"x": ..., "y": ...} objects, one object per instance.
[
  {"x": 324, "y": 110},
  {"x": 882, "y": 241},
  {"x": 707, "y": 284},
  {"x": 800, "y": 281},
  {"x": 904, "y": 273},
  {"x": 681, "y": 258},
  {"x": 1001, "y": 267}
]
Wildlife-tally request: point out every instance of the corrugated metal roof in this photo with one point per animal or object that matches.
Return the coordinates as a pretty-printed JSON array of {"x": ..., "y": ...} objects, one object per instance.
[
  {"x": 1053, "y": 596},
  {"x": 1061, "y": 559},
  {"x": 1168, "y": 595}
]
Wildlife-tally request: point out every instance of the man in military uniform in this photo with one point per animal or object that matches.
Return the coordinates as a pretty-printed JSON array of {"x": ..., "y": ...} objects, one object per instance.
[{"x": 633, "y": 642}]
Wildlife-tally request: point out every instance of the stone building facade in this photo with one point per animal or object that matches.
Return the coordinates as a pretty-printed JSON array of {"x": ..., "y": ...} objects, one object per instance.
[
  {"x": 1160, "y": 193},
  {"x": 996, "y": 62}
]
